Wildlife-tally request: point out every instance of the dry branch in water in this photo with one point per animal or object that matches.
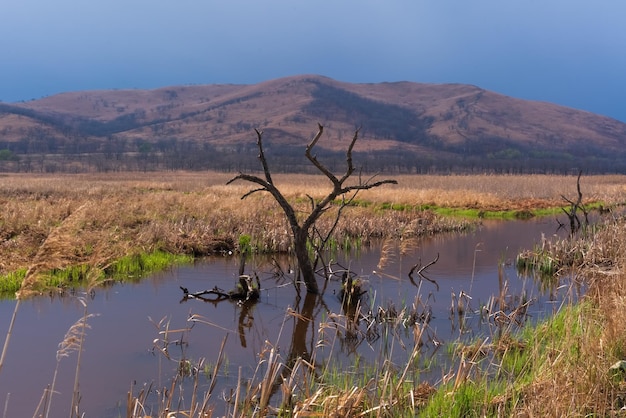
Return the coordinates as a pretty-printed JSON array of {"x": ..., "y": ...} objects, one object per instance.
[
  {"x": 245, "y": 290},
  {"x": 574, "y": 220},
  {"x": 421, "y": 270}
]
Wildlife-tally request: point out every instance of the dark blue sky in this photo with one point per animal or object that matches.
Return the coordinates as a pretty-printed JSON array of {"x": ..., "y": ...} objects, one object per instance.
[{"x": 568, "y": 52}]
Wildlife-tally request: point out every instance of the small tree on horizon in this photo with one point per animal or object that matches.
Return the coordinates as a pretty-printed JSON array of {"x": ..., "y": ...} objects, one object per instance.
[{"x": 303, "y": 231}]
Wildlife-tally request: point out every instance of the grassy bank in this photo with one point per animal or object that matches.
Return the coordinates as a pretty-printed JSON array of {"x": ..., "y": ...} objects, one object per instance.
[{"x": 563, "y": 365}]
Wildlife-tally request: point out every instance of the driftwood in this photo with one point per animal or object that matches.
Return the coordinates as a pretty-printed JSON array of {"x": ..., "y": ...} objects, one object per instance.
[
  {"x": 420, "y": 272},
  {"x": 244, "y": 291}
]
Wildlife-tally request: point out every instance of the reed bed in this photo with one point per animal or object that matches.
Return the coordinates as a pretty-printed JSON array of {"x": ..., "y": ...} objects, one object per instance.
[
  {"x": 575, "y": 377},
  {"x": 94, "y": 220},
  {"x": 107, "y": 216}
]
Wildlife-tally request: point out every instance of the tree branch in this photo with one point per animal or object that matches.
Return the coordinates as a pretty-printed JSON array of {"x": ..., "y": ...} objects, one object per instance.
[
  {"x": 270, "y": 188},
  {"x": 574, "y": 206},
  {"x": 266, "y": 170},
  {"x": 314, "y": 160},
  {"x": 301, "y": 230},
  {"x": 421, "y": 270},
  {"x": 350, "y": 169}
]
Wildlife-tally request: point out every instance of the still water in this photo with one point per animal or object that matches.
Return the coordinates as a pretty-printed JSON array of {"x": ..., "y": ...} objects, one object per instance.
[{"x": 121, "y": 347}]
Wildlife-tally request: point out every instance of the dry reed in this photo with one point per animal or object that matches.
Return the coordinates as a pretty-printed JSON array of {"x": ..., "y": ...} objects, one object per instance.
[
  {"x": 63, "y": 220},
  {"x": 574, "y": 379}
]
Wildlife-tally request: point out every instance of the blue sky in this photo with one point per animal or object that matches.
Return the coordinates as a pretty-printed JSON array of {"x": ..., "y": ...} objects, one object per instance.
[{"x": 568, "y": 52}]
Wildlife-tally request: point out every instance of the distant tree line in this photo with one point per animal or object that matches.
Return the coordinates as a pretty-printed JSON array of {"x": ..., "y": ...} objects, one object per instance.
[{"x": 117, "y": 154}]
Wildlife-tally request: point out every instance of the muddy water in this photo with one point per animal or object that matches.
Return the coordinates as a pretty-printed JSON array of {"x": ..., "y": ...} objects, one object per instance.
[{"x": 122, "y": 344}]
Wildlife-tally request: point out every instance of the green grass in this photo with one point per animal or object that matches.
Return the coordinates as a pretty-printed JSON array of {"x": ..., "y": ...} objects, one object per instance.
[
  {"x": 469, "y": 399},
  {"x": 471, "y": 213},
  {"x": 560, "y": 333},
  {"x": 494, "y": 387},
  {"x": 477, "y": 213},
  {"x": 245, "y": 246},
  {"x": 492, "y": 214},
  {"x": 70, "y": 276},
  {"x": 10, "y": 283},
  {"x": 133, "y": 267},
  {"x": 397, "y": 206},
  {"x": 540, "y": 264},
  {"x": 346, "y": 244},
  {"x": 515, "y": 360}
]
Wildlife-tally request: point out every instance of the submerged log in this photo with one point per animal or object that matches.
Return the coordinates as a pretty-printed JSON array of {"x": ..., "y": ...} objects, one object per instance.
[
  {"x": 351, "y": 290},
  {"x": 245, "y": 290}
]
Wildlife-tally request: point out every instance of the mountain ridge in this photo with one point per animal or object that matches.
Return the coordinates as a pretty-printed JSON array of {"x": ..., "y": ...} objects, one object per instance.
[{"x": 439, "y": 125}]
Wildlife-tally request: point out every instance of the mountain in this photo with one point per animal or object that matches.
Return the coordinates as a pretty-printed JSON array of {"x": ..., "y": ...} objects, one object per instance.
[{"x": 404, "y": 127}]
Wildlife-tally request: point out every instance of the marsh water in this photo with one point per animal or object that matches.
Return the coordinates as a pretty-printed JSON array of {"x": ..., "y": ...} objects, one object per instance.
[{"x": 124, "y": 344}]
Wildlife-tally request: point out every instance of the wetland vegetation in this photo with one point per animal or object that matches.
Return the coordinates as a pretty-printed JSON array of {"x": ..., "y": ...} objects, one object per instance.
[{"x": 62, "y": 232}]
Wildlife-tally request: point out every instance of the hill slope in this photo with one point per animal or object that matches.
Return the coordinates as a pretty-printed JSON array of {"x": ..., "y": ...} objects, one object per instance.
[{"x": 404, "y": 126}]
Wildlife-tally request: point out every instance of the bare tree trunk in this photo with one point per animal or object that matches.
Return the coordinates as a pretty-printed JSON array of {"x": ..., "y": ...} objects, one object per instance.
[
  {"x": 304, "y": 261},
  {"x": 302, "y": 231}
]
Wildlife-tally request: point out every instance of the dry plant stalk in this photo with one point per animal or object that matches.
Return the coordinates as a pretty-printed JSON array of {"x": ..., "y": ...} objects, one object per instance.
[
  {"x": 387, "y": 252},
  {"x": 72, "y": 342}
]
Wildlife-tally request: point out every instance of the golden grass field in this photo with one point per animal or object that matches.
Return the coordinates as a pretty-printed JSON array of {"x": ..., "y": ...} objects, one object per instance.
[{"x": 56, "y": 220}]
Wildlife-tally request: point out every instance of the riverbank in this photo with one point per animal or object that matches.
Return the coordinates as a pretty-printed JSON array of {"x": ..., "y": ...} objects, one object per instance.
[{"x": 571, "y": 364}]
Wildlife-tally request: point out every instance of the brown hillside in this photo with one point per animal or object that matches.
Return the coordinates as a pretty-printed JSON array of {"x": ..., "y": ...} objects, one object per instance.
[{"x": 436, "y": 120}]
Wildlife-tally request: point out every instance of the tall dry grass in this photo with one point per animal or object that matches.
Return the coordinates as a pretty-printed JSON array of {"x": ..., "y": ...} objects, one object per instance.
[
  {"x": 57, "y": 221},
  {"x": 487, "y": 192}
]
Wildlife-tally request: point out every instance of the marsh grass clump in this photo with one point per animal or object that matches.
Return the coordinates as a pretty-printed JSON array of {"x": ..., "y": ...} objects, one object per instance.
[
  {"x": 137, "y": 265},
  {"x": 560, "y": 366},
  {"x": 11, "y": 282},
  {"x": 595, "y": 248}
]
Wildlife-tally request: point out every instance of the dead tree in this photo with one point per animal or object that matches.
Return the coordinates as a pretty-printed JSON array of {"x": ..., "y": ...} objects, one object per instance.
[
  {"x": 572, "y": 214},
  {"x": 302, "y": 231}
]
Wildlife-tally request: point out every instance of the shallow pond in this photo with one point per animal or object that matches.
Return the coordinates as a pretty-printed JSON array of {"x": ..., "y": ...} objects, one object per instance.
[{"x": 122, "y": 345}]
